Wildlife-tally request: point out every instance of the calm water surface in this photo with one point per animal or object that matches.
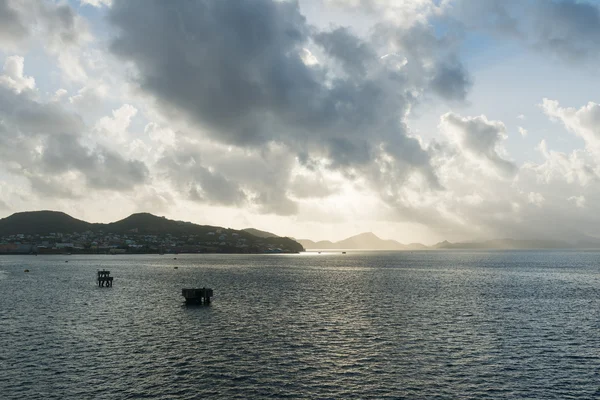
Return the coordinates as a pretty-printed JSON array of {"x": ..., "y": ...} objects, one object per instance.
[{"x": 435, "y": 325}]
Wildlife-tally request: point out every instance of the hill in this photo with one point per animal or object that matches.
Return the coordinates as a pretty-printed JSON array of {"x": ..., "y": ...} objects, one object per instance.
[
  {"x": 366, "y": 241},
  {"x": 42, "y": 222},
  {"x": 45, "y": 222},
  {"x": 259, "y": 233}
]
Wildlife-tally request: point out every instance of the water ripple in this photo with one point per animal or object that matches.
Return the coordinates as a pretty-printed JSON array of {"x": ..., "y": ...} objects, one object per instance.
[{"x": 439, "y": 325}]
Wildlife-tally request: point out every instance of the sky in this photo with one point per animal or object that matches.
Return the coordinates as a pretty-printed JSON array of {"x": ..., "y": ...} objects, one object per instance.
[{"x": 418, "y": 120}]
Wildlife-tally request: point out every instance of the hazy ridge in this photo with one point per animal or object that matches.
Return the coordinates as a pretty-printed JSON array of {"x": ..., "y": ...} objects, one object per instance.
[{"x": 370, "y": 241}]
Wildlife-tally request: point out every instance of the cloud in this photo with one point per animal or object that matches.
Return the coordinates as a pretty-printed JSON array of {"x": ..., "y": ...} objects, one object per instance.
[
  {"x": 12, "y": 28},
  {"x": 60, "y": 94},
  {"x": 569, "y": 29},
  {"x": 89, "y": 97},
  {"x": 577, "y": 167},
  {"x": 522, "y": 131},
  {"x": 583, "y": 122},
  {"x": 13, "y": 76},
  {"x": 96, "y": 3},
  {"x": 480, "y": 138},
  {"x": 55, "y": 26},
  {"x": 56, "y": 23},
  {"x": 44, "y": 143},
  {"x": 237, "y": 73},
  {"x": 102, "y": 168},
  {"x": 579, "y": 201},
  {"x": 430, "y": 61},
  {"x": 312, "y": 187},
  {"x": 536, "y": 199},
  {"x": 451, "y": 81},
  {"x": 400, "y": 13},
  {"x": 347, "y": 49},
  {"x": 206, "y": 173},
  {"x": 198, "y": 182},
  {"x": 113, "y": 129}
]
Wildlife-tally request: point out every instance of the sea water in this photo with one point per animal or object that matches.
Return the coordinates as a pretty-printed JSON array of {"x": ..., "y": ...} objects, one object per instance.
[{"x": 429, "y": 324}]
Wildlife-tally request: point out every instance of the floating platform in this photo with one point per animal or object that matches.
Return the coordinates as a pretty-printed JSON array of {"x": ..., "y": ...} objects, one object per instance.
[
  {"x": 197, "y": 296},
  {"x": 104, "y": 278}
]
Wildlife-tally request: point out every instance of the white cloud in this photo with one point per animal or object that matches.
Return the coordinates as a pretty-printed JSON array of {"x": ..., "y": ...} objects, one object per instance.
[
  {"x": 160, "y": 134},
  {"x": 13, "y": 76},
  {"x": 481, "y": 139},
  {"x": 536, "y": 199},
  {"x": 577, "y": 167},
  {"x": 522, "y": 131},
  {"x": 400, "y": 12},
  {"x": 96, "y": 3},
  {"x": 89, "y": 98},
  {"x": 60, "y": 94},
  {"x": 115, "y": 126},
  {"x": 583, "y": 122},
  {"x": 579, "y": 201},
  {"x": 308, "y": 58}
]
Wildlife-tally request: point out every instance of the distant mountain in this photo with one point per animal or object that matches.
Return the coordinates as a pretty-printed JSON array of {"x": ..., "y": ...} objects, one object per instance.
[
  {"x": 366, "y": 241},
  {"x": 507, "y": 244},
  {"x": 45, "y": 222},
  {"x": 323, "y": 244},
  {"x": 369, "y": 241},
  {"x": 259, "y": 233}
]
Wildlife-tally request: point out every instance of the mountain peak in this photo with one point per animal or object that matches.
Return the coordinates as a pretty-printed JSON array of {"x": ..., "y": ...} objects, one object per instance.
[
  {"x": 366, "y": 235},
  {"x": 365, "y": 240}
]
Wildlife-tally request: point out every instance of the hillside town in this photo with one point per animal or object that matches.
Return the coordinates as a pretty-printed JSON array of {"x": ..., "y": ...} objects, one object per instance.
[{"x": 132, "y": 242}]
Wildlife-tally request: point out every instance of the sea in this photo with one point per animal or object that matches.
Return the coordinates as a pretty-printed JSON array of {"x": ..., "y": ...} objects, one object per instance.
[{"x": 362, "y": 325}]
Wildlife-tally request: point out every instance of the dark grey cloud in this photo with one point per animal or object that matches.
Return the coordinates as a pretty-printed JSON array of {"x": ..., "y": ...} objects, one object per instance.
[
  {"x": 225, "y": 64},
  {"x": 103, "y": 168},
  {"x": 346, "y": 48},
  {"x": 451, "y": 81},
  {"x": 199, "y": 182},
  {"x": 431, "y": 59},
  {"x": 41, "y": 141},
  {"x": 235, "y": 70},
  {"x": 12, "y": 28}
]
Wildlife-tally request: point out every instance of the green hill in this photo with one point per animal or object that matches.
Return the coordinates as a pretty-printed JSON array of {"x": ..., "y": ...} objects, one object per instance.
[
  {"x": 45, "y": 222},
  {"x": 259, "y": 233},
  {"x": 42, "y": 222}
]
